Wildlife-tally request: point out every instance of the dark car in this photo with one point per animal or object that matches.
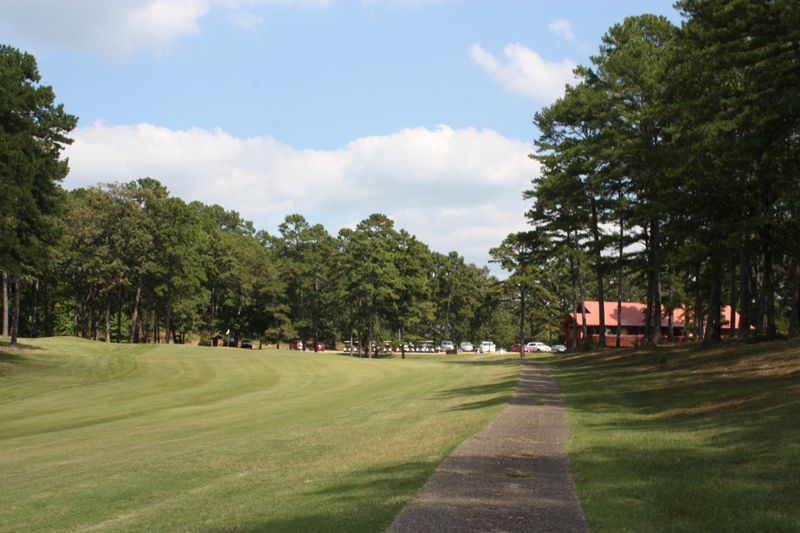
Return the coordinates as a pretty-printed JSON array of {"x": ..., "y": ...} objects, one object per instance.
[{"x": 247, "y": 343}]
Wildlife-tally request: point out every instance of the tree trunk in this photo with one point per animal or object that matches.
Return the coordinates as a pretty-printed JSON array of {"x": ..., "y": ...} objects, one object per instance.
[
  {"x": 713, "y": 334},
  {"x": 648, "y": 310},
  {"x": 76, "y": 332},
  {"x": 733, "y": 325},
  {"x": 769, "y": 288},
  {"x": 84, "y": 320},
  {"x": 5, "y": 303},
  {"x": 671, "y": 325},
  {"x": 758, "y": 290},
  {"x": 168, "y": 325},
  {"x": 794, "y": 320},
  {"x": 212, "y": 324},
  {"x": 598, "y": 257},
  {"x": 698, "y": 308},
  {"x": 144, "y": 330},
  {"x": 744, "y": 289},
  {"x": 108, "y": 321},
  {"x": 575, "y": 303},
  {"x": 35, "y": 312},
  {"x": 656, "y": 266},
  {"x": 446, "y": 325},
  {"x": 135, "y": 314},
  {"x": 93, "y": 322},
  {"x": 49, "y": 307},
  {"x": 619, "y": 281},
  {"x": 522, "y": 321},
  {"x": 119, "y": 319},
  {"x": 670, "y": 317},
  {"x": 370, "y": 331},
  {"x": 15, "y": 313},
  {"x": 581, "y": 293}
]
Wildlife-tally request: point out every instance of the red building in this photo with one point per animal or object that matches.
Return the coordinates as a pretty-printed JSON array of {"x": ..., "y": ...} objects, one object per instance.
[{"x": 631, "y": 324}]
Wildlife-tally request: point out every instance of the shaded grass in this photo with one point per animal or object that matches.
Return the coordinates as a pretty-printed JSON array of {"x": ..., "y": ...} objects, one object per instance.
[
  {"x": 164, "y": 438},
  {"x": 684, "y": 439}
]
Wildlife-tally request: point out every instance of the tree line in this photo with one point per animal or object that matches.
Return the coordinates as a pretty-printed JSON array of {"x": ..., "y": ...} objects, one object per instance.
[
  {"x": 134, "y": 264},
  {"x": 128, "y": 262},
  {"x": 670, "y": 170}
]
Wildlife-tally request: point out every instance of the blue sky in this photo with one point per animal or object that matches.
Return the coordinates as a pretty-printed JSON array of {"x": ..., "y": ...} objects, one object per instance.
[{"x": 335, "y": 109}]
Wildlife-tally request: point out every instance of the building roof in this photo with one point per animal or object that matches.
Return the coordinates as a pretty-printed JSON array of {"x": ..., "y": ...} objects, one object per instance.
[{"x": 633, "y": 315}]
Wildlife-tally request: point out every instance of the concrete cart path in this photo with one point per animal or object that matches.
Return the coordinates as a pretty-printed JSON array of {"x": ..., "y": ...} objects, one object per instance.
[{"x": 512, "y": 476}]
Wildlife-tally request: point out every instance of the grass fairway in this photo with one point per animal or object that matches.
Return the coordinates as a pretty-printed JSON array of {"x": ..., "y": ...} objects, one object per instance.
[
  {"x": 682, "y": 439},
  {"x": 166, "y": 438}
]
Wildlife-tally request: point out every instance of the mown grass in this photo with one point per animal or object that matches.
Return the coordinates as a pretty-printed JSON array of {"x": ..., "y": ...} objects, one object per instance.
[
  {"x": 165, "y": 438},
  {"x": 685, "y": 439}
]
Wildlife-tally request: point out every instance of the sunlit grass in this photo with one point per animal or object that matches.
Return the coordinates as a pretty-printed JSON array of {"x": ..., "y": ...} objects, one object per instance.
[
  {"x": 149, "y": 438},
  {"x": 682, "y": 439}
]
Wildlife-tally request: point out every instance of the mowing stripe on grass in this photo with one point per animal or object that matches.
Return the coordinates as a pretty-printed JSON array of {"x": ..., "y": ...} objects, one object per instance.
[{"x": 159, "y": 438}]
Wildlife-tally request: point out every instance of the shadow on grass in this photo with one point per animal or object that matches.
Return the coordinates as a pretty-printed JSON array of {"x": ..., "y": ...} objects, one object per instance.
[
  {"x": 724, "y": 487},
  {"x": 366, "y": 500},
  {"x": 531, "y": 388},
  {"x": 11, "y": 357},
  {"x": 490, "y": 362},
  {"x": 686, "y": 439},
  {"x": 21, "y": 347},
  {"x": 482, "y": 404},
  {"x": 476, "y": 390}
]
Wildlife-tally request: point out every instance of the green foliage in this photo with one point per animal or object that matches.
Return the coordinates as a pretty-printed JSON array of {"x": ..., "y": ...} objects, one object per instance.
[
  {"x": 687, "y": 140},
  {"x": 33, "y": 132}
]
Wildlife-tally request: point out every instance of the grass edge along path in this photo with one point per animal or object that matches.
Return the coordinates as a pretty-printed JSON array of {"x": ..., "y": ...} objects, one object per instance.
[
  {"x": 164, "y": 438},
  {"x": 685, "y": 439}
]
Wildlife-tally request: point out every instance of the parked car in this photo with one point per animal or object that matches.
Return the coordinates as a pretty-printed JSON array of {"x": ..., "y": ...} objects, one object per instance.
[
  {"x": 247, "y": 344},
  {"x": 467, "y": 347},
  {"x": 448, "y": 346},
  {"x": 320, "y": 346},
  {"x": 296, "y": 345},
  {"x": 558, "y": 348},
  {"x": 487, "y": 347},
  {"x": 515, "y": 348},
  {"x": 536, "y": 346},
  {"x": 350, "y": 349},
  {"x": 425, "y": 347}
]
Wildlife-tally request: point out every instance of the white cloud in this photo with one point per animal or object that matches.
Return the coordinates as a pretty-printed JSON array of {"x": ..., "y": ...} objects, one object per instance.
[
  {"x": 525, "y": 72},
  {"x": 562, "y": 28},
  {"x": 456, "y": 189},
  {"x": 118, "y": 28}
]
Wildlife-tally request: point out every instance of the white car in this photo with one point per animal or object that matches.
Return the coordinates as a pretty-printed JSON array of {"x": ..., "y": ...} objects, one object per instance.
[
  {"x": 467, "y": 347},
  {"x": 487, "y": 347},
  {"x": 536, "y": 346},
  {"x": 448, "y": 346}
]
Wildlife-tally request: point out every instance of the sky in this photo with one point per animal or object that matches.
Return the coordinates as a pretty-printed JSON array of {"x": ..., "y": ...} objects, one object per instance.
[{"x": 335, "y": 109}]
